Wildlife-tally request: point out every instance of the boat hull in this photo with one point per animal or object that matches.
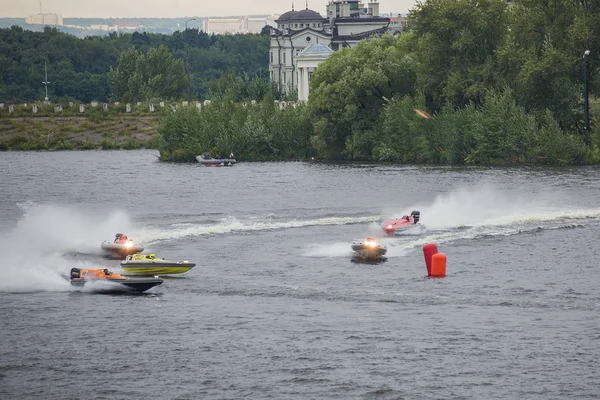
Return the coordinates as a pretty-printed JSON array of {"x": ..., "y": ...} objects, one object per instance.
[
  {"x": 135, "y": 285},
  {"x": 403, "y": 229},
  {"x": 121, "y": 249},
  {"x": 156, "y": 268},
  {"x": 366, "y": 251},
  {"x": 371, "y": 261},
  {"x": 214, "y": 162}
]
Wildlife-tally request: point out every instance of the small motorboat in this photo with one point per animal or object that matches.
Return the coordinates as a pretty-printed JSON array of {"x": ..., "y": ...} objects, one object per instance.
[
  {"x": 122, "y": 246},
  {"x": 148, "y": 264},
  {"x": 114, "y": 282},
  {"x": 207, "y": 160},
  {"x": 369, "y": 250},
  {"x": 404, "y": 224}
]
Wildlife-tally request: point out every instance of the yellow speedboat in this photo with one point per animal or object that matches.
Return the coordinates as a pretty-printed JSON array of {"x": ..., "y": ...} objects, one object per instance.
[{"x": 148, "y": 264}]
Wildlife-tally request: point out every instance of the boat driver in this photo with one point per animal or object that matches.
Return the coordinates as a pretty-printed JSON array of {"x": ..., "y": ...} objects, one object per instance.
[{"x": 410, "y": 219}]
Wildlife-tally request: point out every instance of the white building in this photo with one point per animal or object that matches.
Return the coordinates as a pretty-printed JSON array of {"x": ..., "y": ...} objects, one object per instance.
[
  {"x": 307, "y": 62},
  {"x": 44, "y": 19},
  {"x": 243, "y": 24},
  {"x": 347, "y": 22},
  {"x": 102, "y": 27}
]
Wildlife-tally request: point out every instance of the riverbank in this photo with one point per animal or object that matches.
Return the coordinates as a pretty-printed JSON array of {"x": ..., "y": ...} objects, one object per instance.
[{"x": 79, "y": 133}]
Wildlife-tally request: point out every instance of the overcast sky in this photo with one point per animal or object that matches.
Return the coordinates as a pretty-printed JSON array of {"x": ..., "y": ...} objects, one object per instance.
[{"x": 173, "y": 8}]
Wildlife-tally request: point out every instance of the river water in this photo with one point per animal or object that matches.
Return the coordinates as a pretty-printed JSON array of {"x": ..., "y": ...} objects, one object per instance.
[{"x": 275, "y": 309}]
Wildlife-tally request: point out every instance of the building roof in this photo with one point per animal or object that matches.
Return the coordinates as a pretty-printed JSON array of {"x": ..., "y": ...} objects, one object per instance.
[
  {"x": 298, "y": 32},
  {"x": 362, "y": 18},
  {"x": 286, "y": 16},
  {"x": 307, "y": 15},
  {"x": 316, "y": 48},
  {"x": 359, "y": 36}
]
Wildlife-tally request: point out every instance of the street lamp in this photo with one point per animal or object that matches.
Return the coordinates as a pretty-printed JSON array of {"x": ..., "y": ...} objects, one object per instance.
[
  {"x": 187, "y": 60},
  {"x": 586, "y": 94},
  {"x": 46, "y": 80}
]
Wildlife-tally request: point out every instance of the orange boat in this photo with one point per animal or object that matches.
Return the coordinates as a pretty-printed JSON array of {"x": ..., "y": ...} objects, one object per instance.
[{"x": 81, "y": 276}]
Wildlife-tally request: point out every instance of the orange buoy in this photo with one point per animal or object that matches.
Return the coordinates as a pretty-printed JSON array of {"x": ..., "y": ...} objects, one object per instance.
[
  {"x": 438, "y": 265},
  {"x": 428, "y": 251}
]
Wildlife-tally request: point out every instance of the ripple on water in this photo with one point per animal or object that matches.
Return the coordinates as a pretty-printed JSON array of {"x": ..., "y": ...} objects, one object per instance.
[{"x": 274, "y": 308}]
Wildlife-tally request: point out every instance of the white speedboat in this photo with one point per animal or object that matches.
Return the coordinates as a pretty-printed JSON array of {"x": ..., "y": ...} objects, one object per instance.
[{"x": 122, "y": 246}]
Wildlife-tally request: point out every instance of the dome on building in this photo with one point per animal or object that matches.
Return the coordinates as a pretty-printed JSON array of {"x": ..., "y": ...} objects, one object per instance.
[
  {"x": 307, "y": 15},
  {"x": 316, "y": 48},
  {"x": 286, "y": 16}
]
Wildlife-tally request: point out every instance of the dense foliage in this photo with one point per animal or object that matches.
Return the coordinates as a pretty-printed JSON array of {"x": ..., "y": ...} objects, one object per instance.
[
  {"x": 471, "y": 82},
  {"x": 503, "y": 82},
  {"x": 140, "y": 76},
  {"x": 251, "y": 131},
  {"x": 78, "y": 69}
]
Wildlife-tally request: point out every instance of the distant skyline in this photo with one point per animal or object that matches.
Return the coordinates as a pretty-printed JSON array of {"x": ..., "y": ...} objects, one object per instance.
[{"x": 173, "y": 8}]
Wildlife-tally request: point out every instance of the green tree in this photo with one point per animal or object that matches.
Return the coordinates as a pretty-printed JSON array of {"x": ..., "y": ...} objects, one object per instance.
[
  {"x": 349, "y": 89},
  {"x": 455, "y": 44},
  {"x": 124, "y": 84},
  {"x": 506, "y": 134},
  {"x": 74, "y": 62},
  {"x": 164, "y": 75},
  {"x": 143, "y": 77},
  {"x": 541, "y": 59}
]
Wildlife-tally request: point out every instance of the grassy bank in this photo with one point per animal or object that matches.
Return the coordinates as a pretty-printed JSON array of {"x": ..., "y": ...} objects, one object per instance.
[{"x": 79, "y": 132}]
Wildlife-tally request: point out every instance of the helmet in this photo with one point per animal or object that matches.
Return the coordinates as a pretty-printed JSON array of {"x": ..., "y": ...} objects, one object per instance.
[{"x": 152, "y": 256}]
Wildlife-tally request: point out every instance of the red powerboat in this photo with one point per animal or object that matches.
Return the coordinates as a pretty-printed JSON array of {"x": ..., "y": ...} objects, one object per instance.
[{"x": 393, "y": 226}]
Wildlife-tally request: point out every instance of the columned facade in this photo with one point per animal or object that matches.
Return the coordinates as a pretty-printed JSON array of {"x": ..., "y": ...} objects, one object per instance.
[
  {"x": 304, "y": 77},
  {"x": 307, "y": 62},
  {"x": 347, "y": 23}
]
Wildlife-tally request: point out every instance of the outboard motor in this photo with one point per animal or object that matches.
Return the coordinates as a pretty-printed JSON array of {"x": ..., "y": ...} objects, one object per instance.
[
  {"x": 75, "y": 273},
  {"x": 416, "y": 216}
]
